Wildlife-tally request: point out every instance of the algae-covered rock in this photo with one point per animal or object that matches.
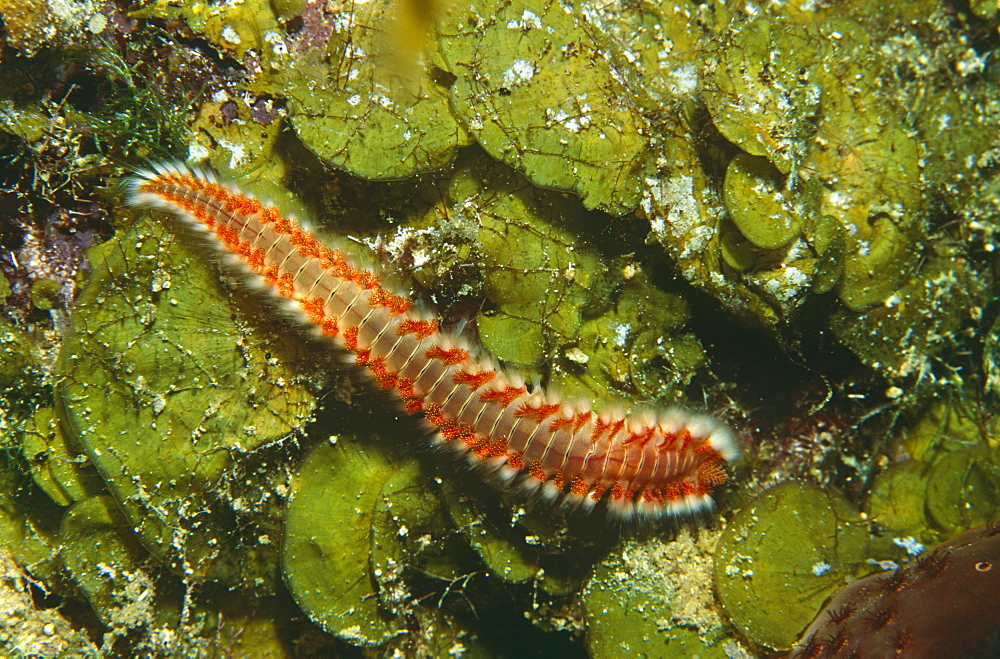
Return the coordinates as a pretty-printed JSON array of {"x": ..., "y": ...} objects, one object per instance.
[
  {"x": 638, "y": 349},
  {"x": 348, "y": 109},
  {"x": 654, "y": 598},
  {"x": 759, "y": 95},
  {"x": 231, "y": 139},
  {"x": 963, "y": 489},
  {"x": 505, "y": 551},
  {"x": 783, "y": 555},
  {"x": 30, "y": 630},
  {"x": 28, "y": 536},
  {"x": 900, "y": 337},
  {"x": 949, "y": 480},
  {"x": 238, "y": 28},
  {"x": 537, "y": 270},
  {"x": 20, "y": 361},
  {"x": 538, "y": 94},
  {"x": 173, "y": 387},
  {"x": 897, "y": 500},
  {"x": 757, "y": 205}
]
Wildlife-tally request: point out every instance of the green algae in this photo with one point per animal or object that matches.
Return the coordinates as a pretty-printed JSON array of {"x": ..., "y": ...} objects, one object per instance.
[
  {"x": 951, "y": 482},
  {"x": 237, "y": 28},
  {"x": 782, "y": 555},
  {"x": 30, "y": 539},
  {"x": 58, "y": 468},
  {"x": 503, "y": 550},
  {"x": 173, "y": 389},
  {"x": 756, "y": 205},
  {"x": 21, "y": 364},
  {"x": 104, "y": 558},
  {"x": 922, "y": 318},
  {"x": 356, "y": 519},
  {"x": 45, "y": 294},
  {"x": 235, "y": 142},
  {"x": 535, "y": 92},
  {"x": 347, "y": 109},
  {"x": 652, "y": 597},
  {"x": 639, "y": 348},
  {"x": 327, "y": 540},
  {"x": 536, "y": 270}
]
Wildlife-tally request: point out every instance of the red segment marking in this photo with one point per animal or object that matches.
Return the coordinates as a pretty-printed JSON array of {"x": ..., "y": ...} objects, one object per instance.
[
  {"x": 405, "y": 387},
  {"x": 269, "y": 215},
  {"x": 487, "y": 449},
  {"x": 315, "y": 308},
  {"x": 597, "y": 492},
  {"x": 560, "y": 479},
  {"x": 559, "y": 423},
  {"x": 330, "y": 328},
  {"x": 503, "y": 396},
  {"x": 451, "y": 429},
  {"x": 474, "y": 380},
  {"x": 363, "y": 357},
  {"x": 397, "y": 304},
  {"x": 536, "y": 470},
  {"x": 351, "y": 337},
  {"x": 600, "y": 427},
  {"x": 422, "y": 328},
  {"x": 286, "y": 284},
  {"x": 539, "y": 413},
  {"x": 642, "y": 436},
  {"x": 616, "y": 492},
  {"x": 256, "y": 259},
  {"x": 305, "y": 243},
  {"x": 449, "y": 357},
  {"x": 271, "y": 276},
  {"x": 515, "y": 460},
  {"x": 578, "y": 486},
  {"x": 434, "y": 416},
  {"x": 385, "y": 378}
]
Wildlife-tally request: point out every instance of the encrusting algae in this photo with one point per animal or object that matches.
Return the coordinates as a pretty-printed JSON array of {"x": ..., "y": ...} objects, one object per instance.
[{"x": 781, "y": 214}]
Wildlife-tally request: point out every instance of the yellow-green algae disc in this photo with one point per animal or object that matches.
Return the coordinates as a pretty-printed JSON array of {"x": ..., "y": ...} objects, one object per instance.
[
  {"x": 537, "y": 93},
  {"x": 57, "y": 468},
  {"x": 759, "y": 207},
  {"x": 350, "y": 110},
  {"x": 103, "y": 556},
  {"x": 326, "y": 555},
  {"x": 170, "y": 383},
  {"x": 783, "y": 555}
]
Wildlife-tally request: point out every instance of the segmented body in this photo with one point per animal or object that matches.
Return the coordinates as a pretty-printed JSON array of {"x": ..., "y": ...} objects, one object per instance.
[{"x": 652, "y": 463}]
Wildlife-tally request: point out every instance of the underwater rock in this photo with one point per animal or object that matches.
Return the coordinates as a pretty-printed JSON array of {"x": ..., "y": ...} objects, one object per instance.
[
  {"x": 31, "y": 25},
  {"x": 944, "y": 604},
  {"x": 30, "y": 630},
  {"x": 653, "y": 598}
]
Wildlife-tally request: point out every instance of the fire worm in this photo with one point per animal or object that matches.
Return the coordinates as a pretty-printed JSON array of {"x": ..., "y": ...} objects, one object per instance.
[{"x": 645, "y": 462}]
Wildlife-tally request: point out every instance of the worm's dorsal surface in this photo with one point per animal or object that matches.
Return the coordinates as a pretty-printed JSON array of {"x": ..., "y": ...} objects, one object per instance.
[{"x": 647, "y": 462}]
